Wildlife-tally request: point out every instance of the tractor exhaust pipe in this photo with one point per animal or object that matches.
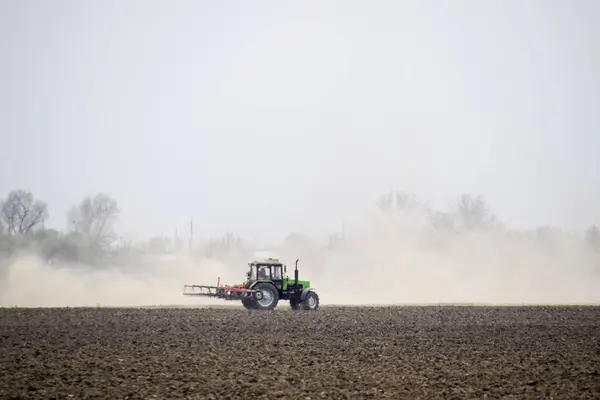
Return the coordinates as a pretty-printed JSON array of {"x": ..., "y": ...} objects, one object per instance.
[{"x": 296, "y": 273}]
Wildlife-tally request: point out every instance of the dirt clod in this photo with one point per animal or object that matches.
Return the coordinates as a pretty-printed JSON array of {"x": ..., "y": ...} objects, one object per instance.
[{"x": 340, "y": 353}]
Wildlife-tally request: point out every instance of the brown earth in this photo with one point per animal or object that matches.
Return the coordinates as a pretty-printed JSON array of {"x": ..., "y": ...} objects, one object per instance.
[{"x": 396, "y": 352}]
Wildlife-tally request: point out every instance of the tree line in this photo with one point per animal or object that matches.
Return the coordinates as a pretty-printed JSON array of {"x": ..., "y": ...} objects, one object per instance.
[
  {"x": 466, "y": 213},
  {"x": 90, "y": 236}
]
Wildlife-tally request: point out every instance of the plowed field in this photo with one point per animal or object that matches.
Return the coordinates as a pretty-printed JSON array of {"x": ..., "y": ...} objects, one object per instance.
[{"x": 397, "y": 352}]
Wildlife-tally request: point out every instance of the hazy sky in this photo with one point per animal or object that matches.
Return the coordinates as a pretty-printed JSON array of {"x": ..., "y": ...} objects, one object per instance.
[{"x": 265, "y": 116}]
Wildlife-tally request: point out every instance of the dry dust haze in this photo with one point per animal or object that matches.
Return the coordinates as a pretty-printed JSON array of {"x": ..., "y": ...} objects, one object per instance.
[{"x": 385, "y": 261}]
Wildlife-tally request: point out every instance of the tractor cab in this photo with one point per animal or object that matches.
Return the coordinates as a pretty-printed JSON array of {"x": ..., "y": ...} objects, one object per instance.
[{"x": 270, "y": 270}]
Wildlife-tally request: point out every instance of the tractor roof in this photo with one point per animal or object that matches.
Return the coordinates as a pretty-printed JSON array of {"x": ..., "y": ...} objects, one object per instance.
[{"x": 268, "y": 261}]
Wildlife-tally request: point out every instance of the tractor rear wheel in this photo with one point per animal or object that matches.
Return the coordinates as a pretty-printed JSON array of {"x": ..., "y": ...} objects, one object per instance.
[
  {"x": 249, "y": 303},
  {"x": 266, "y": 297},
  {"x": 311, "y": 302}
]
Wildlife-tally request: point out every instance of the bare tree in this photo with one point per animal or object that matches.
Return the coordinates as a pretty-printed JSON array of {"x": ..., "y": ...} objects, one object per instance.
[
  {"x": 334, "y": 240},
  {"x": 385, "y": 202},
  {"x": 222, "y": 246},
  {"x": 21, "y": 213},
  {"x": 593, "y": 237},
  {"x": 399, "y": 200},
  {"x": 94, "y": 218},
  {"x": 473, "y": 212}
]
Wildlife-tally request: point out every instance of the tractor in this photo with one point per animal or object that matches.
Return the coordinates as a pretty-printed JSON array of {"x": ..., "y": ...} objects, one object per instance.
[{"x": 266, "y": 284}]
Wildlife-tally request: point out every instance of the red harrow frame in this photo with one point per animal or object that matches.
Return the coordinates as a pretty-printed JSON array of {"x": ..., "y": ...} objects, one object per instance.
[{"x": 236, "y": 292}]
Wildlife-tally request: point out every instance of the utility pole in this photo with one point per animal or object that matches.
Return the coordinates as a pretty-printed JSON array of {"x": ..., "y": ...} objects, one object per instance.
[{"x": 191, "y": 233}]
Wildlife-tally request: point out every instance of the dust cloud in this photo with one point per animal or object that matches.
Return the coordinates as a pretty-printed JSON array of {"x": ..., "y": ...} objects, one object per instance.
[
  {"x": 391, "y": 260},
  {"x": 403, "y": 260},
  {"x": 30, "y": 282}
]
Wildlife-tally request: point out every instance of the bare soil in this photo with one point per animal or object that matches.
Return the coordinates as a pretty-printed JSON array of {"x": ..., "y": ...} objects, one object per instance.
[{"x": 345, "y": 352}]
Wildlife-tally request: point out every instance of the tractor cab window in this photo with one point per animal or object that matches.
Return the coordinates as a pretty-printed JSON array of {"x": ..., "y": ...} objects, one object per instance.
[
  {"x": 252, "y": 273},
  {"x": 277, "y": 275},
  {"x": 264, "y": 272}
]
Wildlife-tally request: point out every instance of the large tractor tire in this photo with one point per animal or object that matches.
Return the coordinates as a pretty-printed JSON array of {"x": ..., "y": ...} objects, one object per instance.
[
  {"x": 249, "y": 303},
  {"x": 266, "y": 297},
  {"x": 311, "y": 301}
]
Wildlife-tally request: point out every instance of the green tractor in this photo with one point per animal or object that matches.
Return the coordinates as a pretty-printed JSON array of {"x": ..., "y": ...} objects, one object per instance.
[{"x": 267, "y": 283}]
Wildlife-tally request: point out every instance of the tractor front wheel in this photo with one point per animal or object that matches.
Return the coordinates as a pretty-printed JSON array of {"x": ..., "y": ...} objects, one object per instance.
[
  {"x": 266, "y": 297},
  {"x": 311, "y": 302}
]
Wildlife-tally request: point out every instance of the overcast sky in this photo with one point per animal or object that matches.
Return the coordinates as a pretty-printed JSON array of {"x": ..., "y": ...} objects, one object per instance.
[{"x": 266, "y": 116}]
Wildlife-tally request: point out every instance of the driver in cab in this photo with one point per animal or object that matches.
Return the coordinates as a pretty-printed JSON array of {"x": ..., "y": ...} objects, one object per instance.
[{"x": 263, "y": 273}]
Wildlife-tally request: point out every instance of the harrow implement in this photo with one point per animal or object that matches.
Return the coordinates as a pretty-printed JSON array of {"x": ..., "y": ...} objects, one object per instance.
[{"x": 226, "y": 292}]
